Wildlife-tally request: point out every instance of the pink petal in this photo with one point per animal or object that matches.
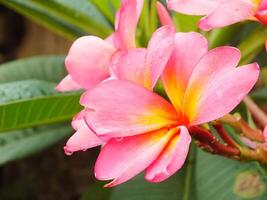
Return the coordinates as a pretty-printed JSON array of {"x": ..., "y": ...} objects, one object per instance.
[
  {"x": 126, "y": 22},
  {"x": 225, "y": 92},
  {"x": 193, "y": 7},
  {"x": 171, "y": 159},
  {"x": 121, "y": 108},
  {"x": 123, "y": 158},
  {"x": 159, "y": 50},
  {"x": 211, "y": 67},
  {"x": 88, "y": 59},
  {"x": 227, "y": 13},
  {"x": 68, "y": 84},
  {"x": 129, "y": 65},
  {"x": 83, "y": 138},
  {"x": 189, "y": 48},
  {"x": 164, "y": 15},
  {"x": 265, "y": 133}
]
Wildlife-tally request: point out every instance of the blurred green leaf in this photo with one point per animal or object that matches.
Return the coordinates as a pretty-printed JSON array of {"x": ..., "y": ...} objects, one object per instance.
[
  {"x": 222, "y": 36},
  {"x": 32, "y": 103},
  {"x": 253, "y": 44},
  {"x": 223, "y": 179},
  {"x": 107, "y": 8},
  {"x": 96, "y": 191},
  {"x": 82, "y": 14},
  {"x": 44, "y": 17},
  {"x": 260, "y": 95},
  {"x": 48, "y": 68},
  {"x": 185, "y": 23},
  {"x": 18, "y": 144}
]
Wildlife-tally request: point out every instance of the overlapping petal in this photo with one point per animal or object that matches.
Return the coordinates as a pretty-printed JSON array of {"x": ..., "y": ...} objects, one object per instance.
[
  {"x": 83, "y": 138},
  {"x": 129, "y": 65},
  {"x": 68, "y": 84},
  {"x": 88, "y": 60},
  {"x": 159, "y": 50},
  {"x": 144, "y": 66},
  {"x": 193, "y": 7},
  {"x": 122, "y": 108},
  {"x": 123, "y": 158},
  {"x": 164, "y": 15},
  {"x": 172, "y": 157},
  {"x": 189, "y": 48},
  {"x": 227, "y": 13},
  {"x": 211, "y": 67},
  {"x": 126, "y": 22},
  {"x": 224, "y": 93}
]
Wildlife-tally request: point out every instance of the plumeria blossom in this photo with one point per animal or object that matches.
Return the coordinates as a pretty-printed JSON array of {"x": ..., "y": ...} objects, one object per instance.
[
  {"x": 144, "y": 131},
  {"x": 220, "y": 13},
  {"x": 142, "y": 66},
  {"x": 89, "y": 62},
  {"x": 89, "y": 57}
]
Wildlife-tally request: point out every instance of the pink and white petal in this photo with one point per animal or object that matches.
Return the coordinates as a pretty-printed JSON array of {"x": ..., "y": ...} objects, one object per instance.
[
  {"x": 265, "y": 133},
  {"x": 120, "y": 108},
  {"x": 68, "y": 84},
  {"x": 171, "y": 159},
  {"x": 88, "y": 59},
  {"x": 224, "y": 93},
  {"x": 110, "y": 39},
  {"x": 164, "y": 15},
  {"x": 82, "y": 140},
  {"x": 227, "y": 13},
  {"x": 159, "y": 50},
  {"x": 211, "y": 67},
  {"x": 193, "y": 7},
  {"x": 188, "y": 50},
  {"x": 262, "y": 5},
  {"x": 123, "y": 158},
  {"x": 129, "y": 65},
  {"x": 126, "y": 23}
]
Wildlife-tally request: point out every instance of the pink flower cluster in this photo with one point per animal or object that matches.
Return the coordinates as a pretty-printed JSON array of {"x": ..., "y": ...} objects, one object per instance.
[{"x": 138, "y": 129}]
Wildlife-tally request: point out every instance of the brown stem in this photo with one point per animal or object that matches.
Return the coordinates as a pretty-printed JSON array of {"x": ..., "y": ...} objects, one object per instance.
[
  {"x": 224, "y": 135},
  {"x": 204, "y": 136},
  {"x": 238, "y": 123},
  {"x": 256, "y": 112}
]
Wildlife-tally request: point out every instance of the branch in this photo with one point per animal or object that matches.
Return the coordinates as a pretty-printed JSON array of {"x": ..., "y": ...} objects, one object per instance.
[{"x": 256, "y": 112}]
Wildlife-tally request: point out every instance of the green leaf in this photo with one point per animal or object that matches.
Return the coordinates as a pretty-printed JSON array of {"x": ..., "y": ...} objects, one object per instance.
[
  {"x": 260, "y": 95},
  {"x": 96, "y": 191},
  {"x": 253, "y": 44},
  {"x": 44, "y": 17},
  {"x": 223, "y": 36},
  {"x": 18, "y": 144},
  {"x": 35, "y": 104},
  {"x": 223, "y": 179},
  {"x": 48, "y": 68},
  {"x": 82, "y": 14},
  {"x": 185, "y": 23},
  {"x": 107, "y": 8}
]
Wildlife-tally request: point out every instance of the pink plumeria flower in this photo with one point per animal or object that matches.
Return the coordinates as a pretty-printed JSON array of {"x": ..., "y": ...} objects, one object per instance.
[
  {"x": 89, "y": 62},
  {"x": 265, "y": 133},
  {"x": 89, "y": 57},
  {"x": 145, "y": 131},
  {"x": 220, "y": 13},
  {"x": 136, "y": 65}
]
